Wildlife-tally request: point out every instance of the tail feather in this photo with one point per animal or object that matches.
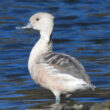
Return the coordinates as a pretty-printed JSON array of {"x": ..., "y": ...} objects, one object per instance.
[{"x": 89, "y": 86}]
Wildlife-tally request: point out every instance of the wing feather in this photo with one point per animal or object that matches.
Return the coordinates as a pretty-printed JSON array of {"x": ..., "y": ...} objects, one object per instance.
[{"x": 65, "y": 64}]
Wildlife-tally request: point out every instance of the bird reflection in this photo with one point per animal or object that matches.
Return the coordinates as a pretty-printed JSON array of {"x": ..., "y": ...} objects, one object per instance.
[{"x": 60, "y": 106}]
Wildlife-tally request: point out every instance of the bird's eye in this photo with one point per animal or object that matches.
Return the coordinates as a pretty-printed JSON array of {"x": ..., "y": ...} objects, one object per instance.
[{"x": 37, "y": 19}]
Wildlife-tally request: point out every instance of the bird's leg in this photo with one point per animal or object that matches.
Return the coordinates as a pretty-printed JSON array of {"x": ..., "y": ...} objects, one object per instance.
[{"x": 57, "y": 97}]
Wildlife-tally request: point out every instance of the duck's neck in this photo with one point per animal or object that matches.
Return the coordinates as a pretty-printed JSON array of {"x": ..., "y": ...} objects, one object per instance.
[{"x": 43, "y": 46}]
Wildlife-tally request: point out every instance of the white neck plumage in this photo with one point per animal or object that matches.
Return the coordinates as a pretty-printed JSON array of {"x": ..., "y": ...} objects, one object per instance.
[{"x": 43, "y": 45}]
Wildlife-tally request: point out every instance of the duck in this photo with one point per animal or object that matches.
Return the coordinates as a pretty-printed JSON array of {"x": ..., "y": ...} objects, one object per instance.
[{"x": 58, "y": 72}]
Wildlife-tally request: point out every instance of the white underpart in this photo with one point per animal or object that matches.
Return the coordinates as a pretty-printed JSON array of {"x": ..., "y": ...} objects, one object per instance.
[{"x": 70, "y": 82}]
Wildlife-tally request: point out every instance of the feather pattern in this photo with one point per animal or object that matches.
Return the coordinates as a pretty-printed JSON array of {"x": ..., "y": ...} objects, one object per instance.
[{"x": 65, "y": 64}]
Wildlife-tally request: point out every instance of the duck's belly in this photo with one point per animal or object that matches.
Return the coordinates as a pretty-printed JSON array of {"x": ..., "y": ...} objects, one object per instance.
[{"x": 55, "y": 81}]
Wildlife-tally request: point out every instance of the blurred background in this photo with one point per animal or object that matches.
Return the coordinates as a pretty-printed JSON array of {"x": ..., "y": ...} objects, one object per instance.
[{"x": 82, "y": 29}]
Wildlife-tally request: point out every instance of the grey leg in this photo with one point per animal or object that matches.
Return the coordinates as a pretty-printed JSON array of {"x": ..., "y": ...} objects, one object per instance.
[{"x": 57, "y": 97}]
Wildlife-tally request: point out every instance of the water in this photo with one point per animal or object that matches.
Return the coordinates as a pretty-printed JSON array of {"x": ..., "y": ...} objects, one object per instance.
[{"x": 82, "y": 29}]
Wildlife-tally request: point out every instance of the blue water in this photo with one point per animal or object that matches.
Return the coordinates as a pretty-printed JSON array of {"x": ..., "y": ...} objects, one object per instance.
[{"x": 82, "y": 29}]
